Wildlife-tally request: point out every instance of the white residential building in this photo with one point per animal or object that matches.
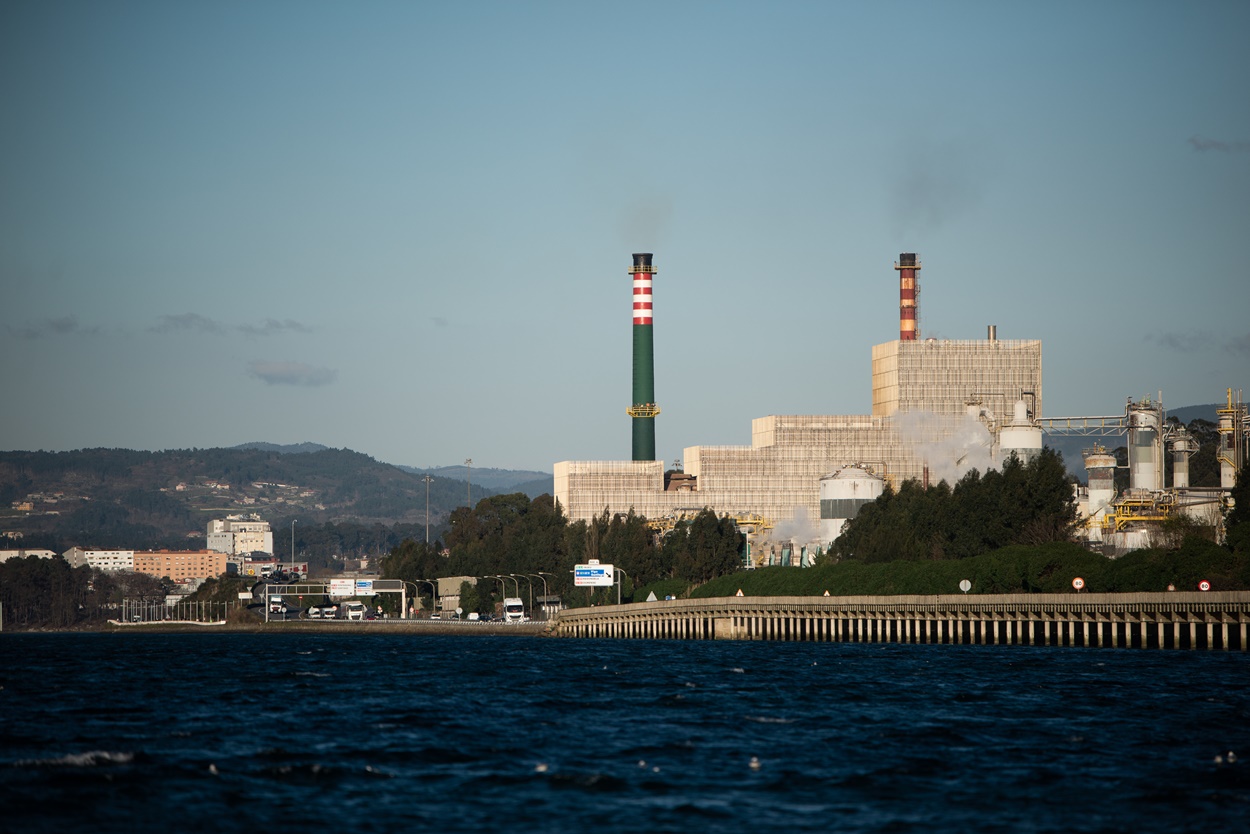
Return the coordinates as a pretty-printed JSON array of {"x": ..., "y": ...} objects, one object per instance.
[
  {"x": 239, "y": 535},
  {"x": 110, "y": 560}
]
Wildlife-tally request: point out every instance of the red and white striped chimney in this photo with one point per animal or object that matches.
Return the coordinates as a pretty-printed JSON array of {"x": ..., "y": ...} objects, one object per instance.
[{"x": 908, "y": 297}]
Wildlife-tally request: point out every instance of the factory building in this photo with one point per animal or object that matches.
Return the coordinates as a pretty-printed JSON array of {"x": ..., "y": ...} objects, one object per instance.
[
  {"x": 939, "y": 408},
  {"x": 1116, "y": 523}
]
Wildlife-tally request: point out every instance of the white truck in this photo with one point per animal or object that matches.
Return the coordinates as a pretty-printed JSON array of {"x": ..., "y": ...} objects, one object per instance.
[
  {"x": 354, "y": 610},
  {"x": 513, "y": 610}
]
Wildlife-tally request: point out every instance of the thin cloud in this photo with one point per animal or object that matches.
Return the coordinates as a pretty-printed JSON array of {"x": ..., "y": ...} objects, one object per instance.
[
  {"x": 273, "y": 327},
  {"x": 187, "y": 322},
  {"x": 290, "y": 373},
  {"x": 196, "y": 323},
  {"x": 1202, "y": 144},
  {"x": 1182, "y": 342},
  {"x": 1240, "y": 344},
  {"x": 61, "y": 326},
  {"x": 439, "y": 321}
]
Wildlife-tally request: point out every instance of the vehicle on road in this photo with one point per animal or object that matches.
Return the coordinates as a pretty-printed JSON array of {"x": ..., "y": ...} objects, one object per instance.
[
  {"x": 354, "y": 610},
  {"x": 513, "y": 610}
]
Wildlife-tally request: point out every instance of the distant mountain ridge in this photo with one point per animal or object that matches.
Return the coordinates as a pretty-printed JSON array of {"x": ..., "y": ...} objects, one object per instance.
[
  {"x": 288, "y": 449},
  {"x": 140, "y": 499},
  {"x": 532, "y": 483}
]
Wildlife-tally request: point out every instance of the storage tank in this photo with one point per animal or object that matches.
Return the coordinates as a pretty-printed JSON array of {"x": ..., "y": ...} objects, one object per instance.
[
  {"x": 1100, "y": 467},
  {"x": 1021, "y": 435},
  {"x": 842, "y": 494},
  {"x": 1182, "y": 444},
  {"x": 1145, "y": 445}
]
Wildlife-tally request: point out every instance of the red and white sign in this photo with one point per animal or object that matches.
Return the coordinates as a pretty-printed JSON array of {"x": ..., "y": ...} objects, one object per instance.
[
  {"x": 1204, "y": 585},
  {"x": 1078, "y": 583}
]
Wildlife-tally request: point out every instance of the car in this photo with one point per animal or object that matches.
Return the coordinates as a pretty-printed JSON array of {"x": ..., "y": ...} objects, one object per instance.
[{"x": 314, "y": 613}]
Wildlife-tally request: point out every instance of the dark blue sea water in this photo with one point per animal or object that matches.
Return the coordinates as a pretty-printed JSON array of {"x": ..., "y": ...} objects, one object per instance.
[{"x": 350, "y": 733}]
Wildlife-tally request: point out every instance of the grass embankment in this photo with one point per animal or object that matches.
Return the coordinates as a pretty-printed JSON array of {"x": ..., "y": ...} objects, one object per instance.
[{"x": 1045, "y": 569}]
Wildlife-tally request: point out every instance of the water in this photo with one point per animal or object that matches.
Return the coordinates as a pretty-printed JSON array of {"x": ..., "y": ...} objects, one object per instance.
[{"x": 344, "y": 733}]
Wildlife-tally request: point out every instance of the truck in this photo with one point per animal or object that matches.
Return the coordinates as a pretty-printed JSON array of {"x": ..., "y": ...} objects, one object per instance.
[
  {"x": 354, "y": 610},
  {"x": 513, "y": 610}
]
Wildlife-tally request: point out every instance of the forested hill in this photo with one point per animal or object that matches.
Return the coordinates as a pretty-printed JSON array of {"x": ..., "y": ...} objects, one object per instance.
[{"x": 136, "y": 499}]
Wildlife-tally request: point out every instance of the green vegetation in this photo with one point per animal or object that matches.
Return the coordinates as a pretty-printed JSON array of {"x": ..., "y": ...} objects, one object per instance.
[
  {"x": 1019, "y": 569},
  {"x": 1021, "y": 504}
]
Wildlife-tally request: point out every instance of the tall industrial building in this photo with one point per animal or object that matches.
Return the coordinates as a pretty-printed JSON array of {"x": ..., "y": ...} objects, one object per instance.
[{"x": 939, "y": 409}]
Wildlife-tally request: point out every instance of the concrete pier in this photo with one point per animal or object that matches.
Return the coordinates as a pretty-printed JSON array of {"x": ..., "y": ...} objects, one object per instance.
[{"x": 1174, "y": 620}]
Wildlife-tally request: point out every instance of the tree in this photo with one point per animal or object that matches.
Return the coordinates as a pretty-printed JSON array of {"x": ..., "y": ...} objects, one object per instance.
[
  {"x": 705, "y": 547},
  {"x": 1237, "y": 522}
]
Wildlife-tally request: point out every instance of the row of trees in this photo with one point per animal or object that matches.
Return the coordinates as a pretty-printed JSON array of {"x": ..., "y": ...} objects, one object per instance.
[
  {"x": 1023, "y": 503},
  {"x": 48, "y": 593},
  {"x": 511, "y": 534}
]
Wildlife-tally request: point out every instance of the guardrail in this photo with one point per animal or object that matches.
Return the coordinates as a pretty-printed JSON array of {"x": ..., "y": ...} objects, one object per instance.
[{"x": 1174, "y": 620}]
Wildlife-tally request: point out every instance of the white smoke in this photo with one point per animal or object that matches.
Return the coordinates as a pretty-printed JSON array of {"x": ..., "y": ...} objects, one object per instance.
[
  {"x": 950, "y": 445},
  {"x": 798, "y": 528}
]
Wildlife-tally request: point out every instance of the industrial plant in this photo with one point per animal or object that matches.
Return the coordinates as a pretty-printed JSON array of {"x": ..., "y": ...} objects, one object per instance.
[{"x": 939, "y": 409}]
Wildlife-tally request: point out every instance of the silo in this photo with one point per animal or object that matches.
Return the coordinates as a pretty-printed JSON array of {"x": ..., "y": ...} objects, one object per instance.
[
  {"x": 1182, "y": 444},
  {"x": 1145, "y": 446},
  {"x": 1101, "y": 469},
  {"x": 1022, "y": 435},
  {"x": 842, "y": 494}
]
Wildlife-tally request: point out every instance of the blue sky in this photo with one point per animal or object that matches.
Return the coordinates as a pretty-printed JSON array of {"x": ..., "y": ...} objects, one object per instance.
[{"x": 405, "y": 228}]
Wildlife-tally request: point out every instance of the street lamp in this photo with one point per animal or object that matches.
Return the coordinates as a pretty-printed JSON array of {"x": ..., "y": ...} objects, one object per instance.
[
  {"x": 433, "y": 591},
  {"x": 546, "y": 595},
  {"x": 427, "y": 480},
  {"x": 618, "y": 586},
  {"x": 292, "y": 545},
  {"x": 528, "y": 581},
  {"x": 468, "y": 479}
]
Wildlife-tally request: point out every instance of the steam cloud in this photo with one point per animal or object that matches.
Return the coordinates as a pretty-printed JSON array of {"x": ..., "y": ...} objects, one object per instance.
[{"x": 952, "y": 446}]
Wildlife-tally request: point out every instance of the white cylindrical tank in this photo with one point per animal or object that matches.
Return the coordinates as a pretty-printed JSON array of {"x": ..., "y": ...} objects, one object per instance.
[
  {"x": 1182, "y": 445},
  {"x": 1227, "y": 452},
  {"x": 842, "y": 494},
  {"x": 1021, "y": 435},
  {"x": 1100, "y": 467},
  {"x": 1145, "y": 446}
]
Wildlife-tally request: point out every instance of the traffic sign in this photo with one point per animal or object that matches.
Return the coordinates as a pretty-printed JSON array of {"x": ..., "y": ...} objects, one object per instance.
[
  {"x": 1204, "y": 585},
  {"x": 1078, "y": 583},
  {"x": 594, "y": 574},
  {"x": 965, "y": 585}
]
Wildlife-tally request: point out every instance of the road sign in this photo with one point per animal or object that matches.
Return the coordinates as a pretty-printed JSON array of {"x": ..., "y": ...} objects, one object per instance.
[
  {"x": 1078, "y": 583},
  {"x": 594, "y": 574},
  {"x": 965, "y": 585},
  {"x": 342, "y": 587},
  {"x": 1204, "y": 585},
  {"x": 364, "y": 588}
]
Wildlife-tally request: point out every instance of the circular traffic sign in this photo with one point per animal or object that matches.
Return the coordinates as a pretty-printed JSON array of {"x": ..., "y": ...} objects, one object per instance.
[
  {"x": 1078, "y": 583},
  {"x": 1204, "y": 585},
  {"x": 965, "y": 585}
]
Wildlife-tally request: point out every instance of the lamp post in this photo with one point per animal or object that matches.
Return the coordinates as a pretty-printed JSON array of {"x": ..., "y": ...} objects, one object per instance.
[
  {"x": 427, "y": 480},
  {"x": 292, "y": 545},
  {"x": 528, "y": 581},
  {"x": 546, "y": 595},
  {"x": 468, "y": 479},
  {"x": 618, "y": 586}
]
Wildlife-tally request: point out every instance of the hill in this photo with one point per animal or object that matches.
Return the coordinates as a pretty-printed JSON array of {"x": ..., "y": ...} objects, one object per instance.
[
  {"x": 532, "y": 483},
  {"x": 135, "y": 499}
]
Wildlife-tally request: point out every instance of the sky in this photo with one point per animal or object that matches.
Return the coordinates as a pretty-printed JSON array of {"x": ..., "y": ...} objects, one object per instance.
[{"x": 405, "y": 228}]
